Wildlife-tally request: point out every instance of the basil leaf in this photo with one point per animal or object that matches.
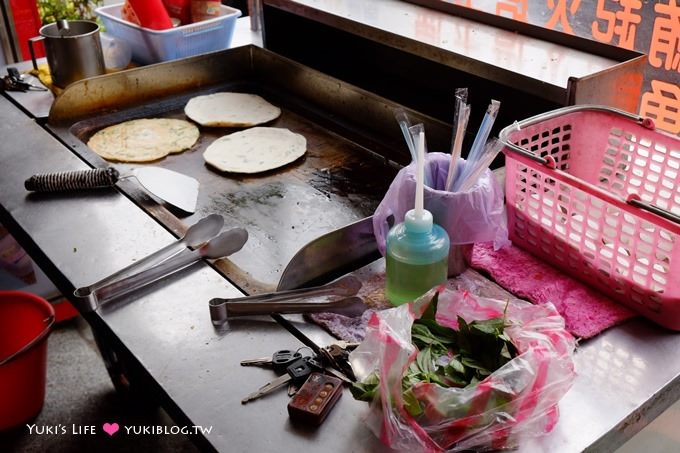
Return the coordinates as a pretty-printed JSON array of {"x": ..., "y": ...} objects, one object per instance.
[
  {"x": 424, "y": 361},
  {"x": 449, "y": 358},
  {"x": 431, "y": 308},
  {"x": 457, "y": 365},
  {"x": 366, "y": 390},
  {"x": 411, "y": 403}
]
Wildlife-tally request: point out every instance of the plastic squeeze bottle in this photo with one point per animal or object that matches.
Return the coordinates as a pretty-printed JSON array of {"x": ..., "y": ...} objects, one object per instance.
[{"x": 417, "y": 250}]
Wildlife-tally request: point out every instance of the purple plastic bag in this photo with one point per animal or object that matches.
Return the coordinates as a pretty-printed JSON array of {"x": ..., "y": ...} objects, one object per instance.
[{"x": 477, "y": 215}]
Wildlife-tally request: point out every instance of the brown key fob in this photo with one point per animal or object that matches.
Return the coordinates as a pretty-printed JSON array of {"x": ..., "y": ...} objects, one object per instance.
[{"x": 315, "y": 399}]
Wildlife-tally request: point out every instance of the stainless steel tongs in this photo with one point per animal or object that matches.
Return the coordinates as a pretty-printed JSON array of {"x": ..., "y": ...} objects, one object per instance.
[
  {"x": 169, "y": 259},
  {"x": 338, "y": 296}
]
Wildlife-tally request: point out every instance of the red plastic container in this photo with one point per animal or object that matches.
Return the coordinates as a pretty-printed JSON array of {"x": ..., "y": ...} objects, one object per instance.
[
  {"x": 151, "y": 14},
  {"x": 179, "y": 9},
  {"x": 25, "y": 323}
]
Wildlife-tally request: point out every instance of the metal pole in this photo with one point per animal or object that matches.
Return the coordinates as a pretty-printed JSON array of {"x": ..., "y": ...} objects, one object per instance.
[
  {"x": 255, "y": 12},
  {"x": 8, "y": 36}
]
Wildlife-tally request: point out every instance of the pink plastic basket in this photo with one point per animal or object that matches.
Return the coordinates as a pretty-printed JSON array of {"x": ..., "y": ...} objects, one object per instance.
[{"x": 594, "y": 192}]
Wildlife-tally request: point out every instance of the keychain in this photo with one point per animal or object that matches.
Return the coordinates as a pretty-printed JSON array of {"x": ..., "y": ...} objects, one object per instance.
[{"x": 13, "y": 81}]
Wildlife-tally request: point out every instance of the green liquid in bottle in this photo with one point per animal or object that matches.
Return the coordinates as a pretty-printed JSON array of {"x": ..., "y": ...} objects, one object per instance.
[
  {"x": 407, "y": 282},
  {"x": 416, "y": 258}
]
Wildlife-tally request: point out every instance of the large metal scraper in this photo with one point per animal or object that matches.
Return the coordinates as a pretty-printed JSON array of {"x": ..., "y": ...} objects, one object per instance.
[
  {"x": 330, "y": 255},
  {"x": 170, "y": 186}
]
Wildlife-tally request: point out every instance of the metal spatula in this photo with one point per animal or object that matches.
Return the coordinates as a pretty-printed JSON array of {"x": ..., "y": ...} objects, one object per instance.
[
  {"x": 172, "y": 187},
  {"x": 344, "y": 249}
]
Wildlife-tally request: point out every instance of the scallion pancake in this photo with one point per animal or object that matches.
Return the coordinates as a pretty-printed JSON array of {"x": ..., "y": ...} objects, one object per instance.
[
  {"x": 144, "y": 140},
  {"x": 255, "y": 150},
  {"x": 230, "y": 109}
]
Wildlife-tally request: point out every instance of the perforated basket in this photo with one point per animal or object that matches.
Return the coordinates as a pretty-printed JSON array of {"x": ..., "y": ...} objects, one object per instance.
[
  {"x": 594, "y": 191},
  {"x": 154, "y": 46}
]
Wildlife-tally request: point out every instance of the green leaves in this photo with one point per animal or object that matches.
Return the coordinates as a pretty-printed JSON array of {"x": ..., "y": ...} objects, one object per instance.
[
  {"x": 365, "y": 391},
  {"x": 448, "y": 357},
  {"x": 53, "y": 10},
  {"x": 472, "y": 353},
  {"x": 484, "y": 345},
  {"x": 426, "y": 332}
]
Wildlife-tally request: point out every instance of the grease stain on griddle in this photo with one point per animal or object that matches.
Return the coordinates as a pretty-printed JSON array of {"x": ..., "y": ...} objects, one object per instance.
[
  {"x": 356, "y": 184},
  {"x": 280, "y": 216}
]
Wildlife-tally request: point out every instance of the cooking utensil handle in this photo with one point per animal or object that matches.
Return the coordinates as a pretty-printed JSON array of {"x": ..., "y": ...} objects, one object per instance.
[
  {"x": 31, "y": 42},
  {"x": 282, "y": 301},
  {"x": 342, "y": 305},
  {"x": 225, "y": 244},
  {"x": 138, "y": 266},
  {"x": 72, "y": 180},
  {"x": 147, "y": 276},
  {"x": 345, "y": 286}
]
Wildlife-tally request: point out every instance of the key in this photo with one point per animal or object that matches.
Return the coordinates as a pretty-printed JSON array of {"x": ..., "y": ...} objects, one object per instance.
[
  {"x": 337, "y": 354},
  {"x": 337, "y": 351},
  {"x": 344, "y": 345},
  {"x": 342, "y": 366},
  {"x": 298, "y": 371},
  {"x": 279, "y": 360},
  {"x": 292, "y": 388},
  {"x": 14, "y": 73},
  {"x": 15, "y": 81}
]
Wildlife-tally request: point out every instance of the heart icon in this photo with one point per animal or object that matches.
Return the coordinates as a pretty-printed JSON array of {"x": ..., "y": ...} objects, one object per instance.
[{"x": 111, "y": 428}]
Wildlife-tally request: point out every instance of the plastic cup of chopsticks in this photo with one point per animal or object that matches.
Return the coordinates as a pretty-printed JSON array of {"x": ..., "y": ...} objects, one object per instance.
[{"x": 475, "y": 215}]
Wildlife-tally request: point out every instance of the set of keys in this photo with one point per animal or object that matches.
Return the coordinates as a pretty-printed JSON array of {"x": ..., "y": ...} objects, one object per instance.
[
  {"x": 296, "y": 368},
  {"x": 14, "y": 81}
]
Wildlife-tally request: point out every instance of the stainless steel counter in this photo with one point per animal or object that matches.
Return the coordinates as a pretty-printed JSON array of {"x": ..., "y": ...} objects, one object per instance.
[
  {"x": 626, "y": 376},
  {"x": 165, "y": 330}
]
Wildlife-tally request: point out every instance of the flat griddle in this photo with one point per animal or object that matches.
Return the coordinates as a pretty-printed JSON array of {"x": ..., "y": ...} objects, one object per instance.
[{"x": 355, "y": 149}]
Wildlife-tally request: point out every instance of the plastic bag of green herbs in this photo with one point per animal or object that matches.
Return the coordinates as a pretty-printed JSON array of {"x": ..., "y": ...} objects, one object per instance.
[{"x": 453, "y": 371}]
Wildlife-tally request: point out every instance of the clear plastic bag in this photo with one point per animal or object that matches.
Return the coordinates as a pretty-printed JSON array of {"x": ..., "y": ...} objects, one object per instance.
[
  {"x": 517, "y": 400},
  {"x": 475, "y": 215}
]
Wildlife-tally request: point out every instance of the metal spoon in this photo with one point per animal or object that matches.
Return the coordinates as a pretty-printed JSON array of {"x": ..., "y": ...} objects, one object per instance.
[
  {"x": 225, "y": 244},
  {"x": 197, "y": 234}
]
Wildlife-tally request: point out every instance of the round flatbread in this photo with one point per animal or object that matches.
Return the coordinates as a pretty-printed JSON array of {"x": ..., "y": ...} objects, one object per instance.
[
  {"x": 229, "y": 109},
  {"x": 144, "y": 140},
  {"x": 255, "y": 150}
]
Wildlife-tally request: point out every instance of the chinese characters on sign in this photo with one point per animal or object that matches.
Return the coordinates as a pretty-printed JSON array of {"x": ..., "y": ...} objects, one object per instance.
[{"x": 649, "y": 27}]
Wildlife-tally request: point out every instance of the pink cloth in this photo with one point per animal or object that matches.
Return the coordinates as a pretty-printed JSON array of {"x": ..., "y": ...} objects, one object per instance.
[
  {"x": 344, "y": 328},
  {"x": 586, "y": 311}
]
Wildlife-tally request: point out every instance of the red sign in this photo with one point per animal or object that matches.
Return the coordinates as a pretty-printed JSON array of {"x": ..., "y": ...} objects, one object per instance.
[{"x": 27, "y": 24}]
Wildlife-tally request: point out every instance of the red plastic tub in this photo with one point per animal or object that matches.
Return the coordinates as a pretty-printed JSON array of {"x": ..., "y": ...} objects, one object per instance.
[{"x": 25, "y": 323}]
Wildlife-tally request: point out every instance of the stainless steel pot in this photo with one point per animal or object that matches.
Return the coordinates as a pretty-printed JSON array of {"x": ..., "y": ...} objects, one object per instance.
[{"x": 73, "y": 50}]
